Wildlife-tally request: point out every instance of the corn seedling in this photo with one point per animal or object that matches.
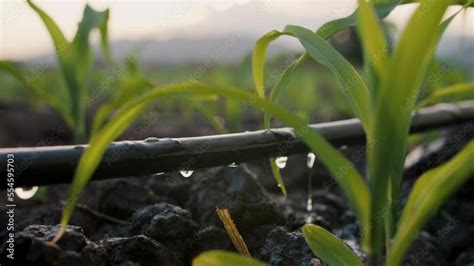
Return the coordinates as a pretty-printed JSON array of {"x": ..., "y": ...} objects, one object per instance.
[
  {"x": 75, "y": 59},
  {"x": 393, "y": 78},
  {"x": 325, "y": 32}
]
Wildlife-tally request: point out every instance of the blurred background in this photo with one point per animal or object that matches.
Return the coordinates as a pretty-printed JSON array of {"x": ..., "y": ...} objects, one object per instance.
[{"x": 209, "y": 41}]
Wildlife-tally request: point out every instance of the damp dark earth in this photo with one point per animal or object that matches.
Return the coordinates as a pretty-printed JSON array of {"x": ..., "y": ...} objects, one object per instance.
[{"x": 169, "y": 219}]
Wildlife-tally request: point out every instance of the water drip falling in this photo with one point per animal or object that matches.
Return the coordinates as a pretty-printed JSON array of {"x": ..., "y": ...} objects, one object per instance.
[
  {"x": 309, "y": 204},
  {"x": 281, "y": 162},
  {"x": 186, "y": 173},
  {"x": 26, "y": 193},
  {"x": 233, "y": 165},
  {"x": 311, "y": 158}
]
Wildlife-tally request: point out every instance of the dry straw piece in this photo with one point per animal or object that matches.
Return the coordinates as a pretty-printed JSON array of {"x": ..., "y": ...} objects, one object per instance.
[{"x": 231, "y": 229}]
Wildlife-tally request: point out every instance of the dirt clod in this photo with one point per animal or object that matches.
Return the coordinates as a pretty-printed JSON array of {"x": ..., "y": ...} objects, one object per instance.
[{"x": 237, "y": 190}]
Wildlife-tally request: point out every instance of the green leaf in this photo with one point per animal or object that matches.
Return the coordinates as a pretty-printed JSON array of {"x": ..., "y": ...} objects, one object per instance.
[
  {"x": 54, "y": 100},
  {"x": 429, "y": 192},
  {"x": 407, "y": 69},
  {"x": 453, "y": 93},
  {"x": 278, "y": 177},
  {"x": 328, "y": 247},
  {"x": 59, "y": 41},
  {"x": 281, "y": 85},
  {"x": 81, "y": 52},
  {"x": 258, "y": 68},
  {"x": 205, "y": 111},
  {"x": 62, "y": 48},
  {"x": 233, "y": 115},
  {"x": 466, "y": 3},
  {"x": 258, "y": 60},
  {"x": 225, "y": 258},
  {"x": 383, "y": 8},
  {"x": 373, "y": 38},
  {"x": 351, "y": 183},
  {"x": 399, "y": 151},
  {"x": 352, "y": 84},
  {"x": 75, "y": 58},
  {"x": 412, "y": 55},
  {"x": 131, "y": 83},
  {"x": 101, "y": 117}
]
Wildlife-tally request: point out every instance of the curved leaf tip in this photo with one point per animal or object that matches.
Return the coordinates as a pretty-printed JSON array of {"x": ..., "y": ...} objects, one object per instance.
[
  {"x": 225, "y": 258},
  {"x": 328, "y": 247}
]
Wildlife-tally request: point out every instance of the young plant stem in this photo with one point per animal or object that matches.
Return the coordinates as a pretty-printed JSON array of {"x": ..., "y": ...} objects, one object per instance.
[
  {"x": 77, "y": 112},
  {"x": 389, "y": 219},
  {"x": 79, "y": 132},
  {"x": 373, "y": 260}
]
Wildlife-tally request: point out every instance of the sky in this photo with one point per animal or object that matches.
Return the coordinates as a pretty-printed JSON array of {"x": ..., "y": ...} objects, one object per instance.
[{"x": 22, "y": 34}]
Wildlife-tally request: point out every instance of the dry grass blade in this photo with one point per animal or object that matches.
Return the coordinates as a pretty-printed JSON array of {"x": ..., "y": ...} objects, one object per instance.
[{"x": 231, "y": 229}]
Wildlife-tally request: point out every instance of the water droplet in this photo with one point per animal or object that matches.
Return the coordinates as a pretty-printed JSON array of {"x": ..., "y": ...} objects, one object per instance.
[
  {"x": 279, "y": 185},
  {"x": 309, "y": 204},
  {"x": 311, "y": 159},
  {"x": 186, "y": 173},
  {"x": 152, "y": 139},
  {"x": 281, "y": 162},
  {"x": 233, "y": 165},
  {"x": 315, "y": 262},
  {"x": 309, "y": 199},
  {"x": 343, "y": 147},
  {"x": 26, "y": 193}
]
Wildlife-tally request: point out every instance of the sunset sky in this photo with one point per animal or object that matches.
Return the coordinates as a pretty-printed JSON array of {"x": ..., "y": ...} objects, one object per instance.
[{"x": 22, "y": 34}]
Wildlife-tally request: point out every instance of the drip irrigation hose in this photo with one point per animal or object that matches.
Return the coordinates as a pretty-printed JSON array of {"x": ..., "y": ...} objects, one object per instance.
[{"x": 49, "y": 165}]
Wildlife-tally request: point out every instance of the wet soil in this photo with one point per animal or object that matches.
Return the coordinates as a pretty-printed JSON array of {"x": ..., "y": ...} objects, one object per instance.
[{"x": 168, "y": 219}]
